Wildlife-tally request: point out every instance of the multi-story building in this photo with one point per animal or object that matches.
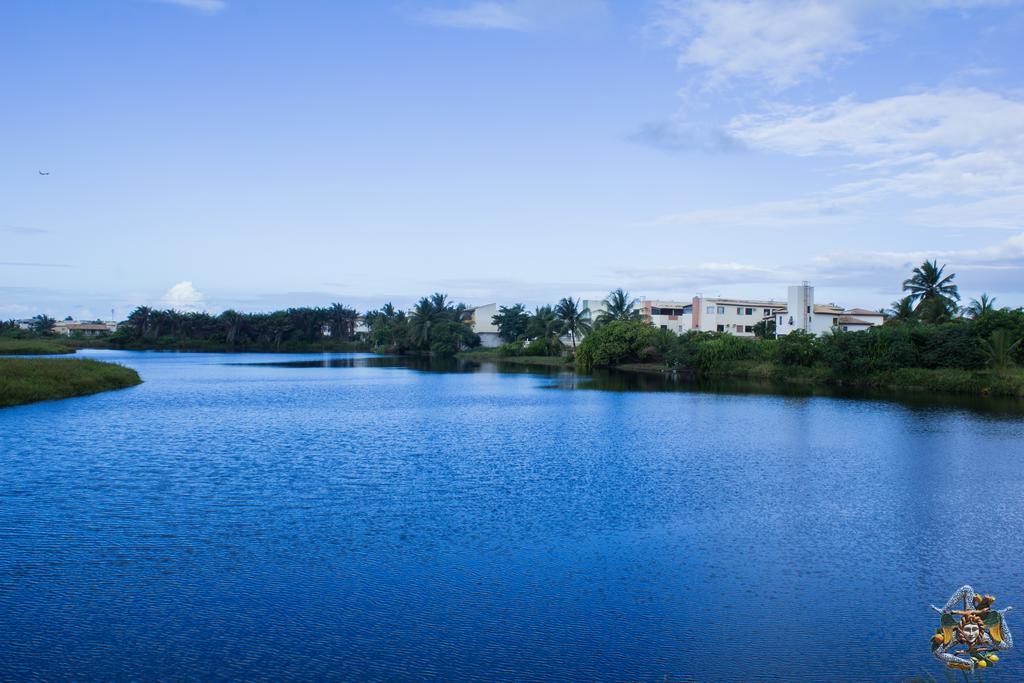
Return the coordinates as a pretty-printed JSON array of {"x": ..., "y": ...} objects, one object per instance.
[
  {"x": 801, "y": 313},
  {"x": 733, "y": 315},
  {"x": 480, "y": 320},
  {"x": 668, "y": 315}
]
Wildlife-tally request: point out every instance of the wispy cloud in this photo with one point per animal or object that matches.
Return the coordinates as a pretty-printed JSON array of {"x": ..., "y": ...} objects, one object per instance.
[
  {"x": 27, "y": 264},
  {"x": 204, "y": 6},
  {"x": 679, "y": 136},
  {"x": 777, "y": 44},
  {"x": 22, "y": 230},
  {"x": 998, "y": 266},
  {"x": 514, "y": 15}
]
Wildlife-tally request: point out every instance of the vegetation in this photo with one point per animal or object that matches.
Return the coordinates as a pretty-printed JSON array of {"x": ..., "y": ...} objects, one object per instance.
[
  {"x": 27, "y": 380},
  {"x": 935, "y": 294},
  {"x": 34, "y": 346},
  {"x": 618, "y": 307},
  {"x": 927, "y": 342},
  {"x": 575, "y": 323}
]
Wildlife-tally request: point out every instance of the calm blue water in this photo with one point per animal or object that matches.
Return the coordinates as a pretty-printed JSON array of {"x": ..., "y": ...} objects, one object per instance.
[{"x": 234, "y": 520}]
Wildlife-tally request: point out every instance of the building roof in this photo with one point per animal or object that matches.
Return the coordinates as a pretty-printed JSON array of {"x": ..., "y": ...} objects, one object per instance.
[
  {"x": 744, "y": 302},
  {"x": 861, "y": 311},
  {"x": 86, "y": 327},
  {"x": 849, "y": 320}
]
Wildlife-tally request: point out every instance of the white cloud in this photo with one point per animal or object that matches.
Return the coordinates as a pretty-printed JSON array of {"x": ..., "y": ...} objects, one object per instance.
[
  {"x": 789, "y": 213},
  {"x": 965, "y": 147},
  {"x": 206, "y": 6},
  {"x": 949, "y": 120},
  {"x": 515, "y": 15},
  {"x": 778, "y": 42},
  {"x": 184, "y": 297}
]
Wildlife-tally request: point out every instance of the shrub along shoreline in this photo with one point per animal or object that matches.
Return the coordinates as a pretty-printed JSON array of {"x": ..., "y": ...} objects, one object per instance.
[
  {"x": 28, "y": 380},
  {"x": 967, "y": 356}
]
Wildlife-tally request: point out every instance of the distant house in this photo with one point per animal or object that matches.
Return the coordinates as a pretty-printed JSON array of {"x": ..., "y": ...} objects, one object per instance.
[
  {"x": 479, "y": 319},
  {"x": 84, "y": 329}
]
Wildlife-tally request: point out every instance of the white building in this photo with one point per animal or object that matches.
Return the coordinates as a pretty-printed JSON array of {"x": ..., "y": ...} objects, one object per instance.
[
  {"x": 676, "y": 316},
  {"x": 732, "y": 315},
  {"x": 68, "y": 328},
  {"x": 801, "y": 313},
  {"x": 480, "y": 320}
]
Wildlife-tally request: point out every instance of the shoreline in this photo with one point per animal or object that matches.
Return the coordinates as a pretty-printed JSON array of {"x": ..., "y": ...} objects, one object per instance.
[{"x": 33, "y": 380}]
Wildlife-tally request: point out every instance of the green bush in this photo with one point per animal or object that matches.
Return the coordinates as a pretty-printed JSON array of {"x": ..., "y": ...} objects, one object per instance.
[
  {"x": 796, "y": 348},
  {"x": 617, "y": 342}
]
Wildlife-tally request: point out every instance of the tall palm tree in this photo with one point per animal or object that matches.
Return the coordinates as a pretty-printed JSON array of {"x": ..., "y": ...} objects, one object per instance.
[
  {"x": 575, "y": 322},
  {"x": 342, "y": 321},
  {"x": 902, "y": 310},
  {"x": 421, "y": 320},
  {"x": 618, "y": 306},
  {"x": 980, "y": 306},
  {"x": 544, "y": 324},
  {"x": 936, "y": 296}
]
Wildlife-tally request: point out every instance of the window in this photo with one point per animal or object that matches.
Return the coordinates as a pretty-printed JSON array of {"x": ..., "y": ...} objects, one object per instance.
[
  {"x": 739, "y": 328},
  {"x": 748, "y": 328},
  {"x": 748, "y": 311},
  {"x": 835, "y": 321},
  {"x": 721, "y": 328},
  {"x": 664, "y": 327},
  {"x": 845, "y": 328},
  {"x": 767, "y": 312},
  {"x": 721, "y": 310},
  {"x": 711, "y": 309},
  {"x": 739, "y": 311},
  {"x": 780, "y": 321}
]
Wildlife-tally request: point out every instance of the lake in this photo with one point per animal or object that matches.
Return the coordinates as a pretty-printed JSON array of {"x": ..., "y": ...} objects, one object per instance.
[{"x": 271, "y": 517}]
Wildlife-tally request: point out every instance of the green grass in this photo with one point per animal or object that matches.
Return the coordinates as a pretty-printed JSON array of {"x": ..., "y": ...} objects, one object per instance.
[
  {"x": 33, "y": 347},
  {"x": 27, "y": 380},
  {"x": 944, "y": 380},
  {"x": 492, "y": 355}
]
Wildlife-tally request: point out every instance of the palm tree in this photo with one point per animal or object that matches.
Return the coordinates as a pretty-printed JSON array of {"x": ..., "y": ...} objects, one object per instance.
[
  {"x": 980, "y": 306},
  {"x": 902, "y": 311},
  {"x": 421, "y": 320},
  {"x": 1000, "y": 350},
  {"x": 544, "y": 324},
  {"x": 575, "y": 322},
  {"x": 233, "y": 323},
  {"x": 936, "y": 296},
  {"x": 342, "y": 321},
  {"x": 618, "y": 306}
]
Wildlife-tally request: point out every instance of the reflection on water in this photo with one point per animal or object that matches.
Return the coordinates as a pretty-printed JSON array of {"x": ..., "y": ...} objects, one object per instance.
[
  {"x": 618, "y": 380},
  {"x": 375, "y": 519}
]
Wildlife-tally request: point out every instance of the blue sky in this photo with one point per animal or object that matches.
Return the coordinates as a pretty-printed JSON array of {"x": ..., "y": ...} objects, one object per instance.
[{"x": 259, "y": 154}]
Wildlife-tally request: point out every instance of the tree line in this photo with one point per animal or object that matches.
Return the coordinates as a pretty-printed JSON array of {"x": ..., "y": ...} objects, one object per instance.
[{"x": 927, "y": 329}]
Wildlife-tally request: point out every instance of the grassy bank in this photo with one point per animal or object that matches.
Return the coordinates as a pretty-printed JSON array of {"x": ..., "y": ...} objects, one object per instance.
[
  {"x": 945, "y": 380},
  {"x": 33, "y": 347},
  {"x": 27, "y": 380},
  {"x": 494, "y": 356}
]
